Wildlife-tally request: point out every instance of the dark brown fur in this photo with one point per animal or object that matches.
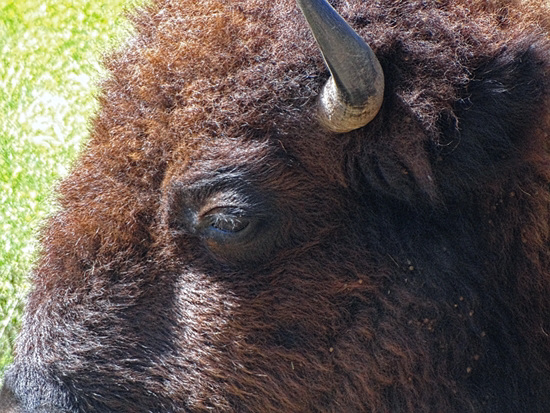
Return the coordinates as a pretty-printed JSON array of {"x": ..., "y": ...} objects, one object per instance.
[{"x": 403, "y": 267}]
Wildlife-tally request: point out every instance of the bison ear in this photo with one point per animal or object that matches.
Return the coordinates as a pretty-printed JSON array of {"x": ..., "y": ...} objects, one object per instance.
[
  {"x": 478, "y": 142},
  {"x": 504, "y": 100},
  {"x": 353, "y": 95}
]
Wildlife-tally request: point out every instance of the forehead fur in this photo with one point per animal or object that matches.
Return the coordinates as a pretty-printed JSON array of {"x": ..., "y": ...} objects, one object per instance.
[{"x": 200, "y": 71}]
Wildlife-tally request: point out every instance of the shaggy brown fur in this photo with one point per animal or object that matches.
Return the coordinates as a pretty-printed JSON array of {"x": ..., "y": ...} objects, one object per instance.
[{"x": 402, "y": 267}]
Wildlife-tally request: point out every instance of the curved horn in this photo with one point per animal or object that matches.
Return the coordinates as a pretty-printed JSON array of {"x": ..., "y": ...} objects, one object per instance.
[{"x": 353, "y": 95}]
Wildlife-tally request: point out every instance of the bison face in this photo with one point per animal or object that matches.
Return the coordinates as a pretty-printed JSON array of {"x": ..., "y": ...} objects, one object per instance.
[
  {"x": 231, "y": 242},
  {"x": 239, "y": 256}
]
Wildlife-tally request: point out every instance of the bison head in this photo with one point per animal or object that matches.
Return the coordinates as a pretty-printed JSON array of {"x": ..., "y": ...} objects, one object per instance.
[{"x": 229, "y": 241}]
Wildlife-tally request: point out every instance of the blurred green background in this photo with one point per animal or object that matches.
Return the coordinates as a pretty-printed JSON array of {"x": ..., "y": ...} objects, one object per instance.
[{"x": 50, "y": 53}]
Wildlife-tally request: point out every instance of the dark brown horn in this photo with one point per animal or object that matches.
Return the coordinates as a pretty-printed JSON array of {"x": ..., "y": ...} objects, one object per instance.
[{"x": 353, "y": 95}]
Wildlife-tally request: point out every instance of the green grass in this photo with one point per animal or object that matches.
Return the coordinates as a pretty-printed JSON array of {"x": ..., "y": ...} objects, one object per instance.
[{"x": 50, "y": 52}]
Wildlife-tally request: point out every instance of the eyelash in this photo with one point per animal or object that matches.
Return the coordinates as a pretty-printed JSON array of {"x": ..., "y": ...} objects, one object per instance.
[{"x": 228, "y": 223}]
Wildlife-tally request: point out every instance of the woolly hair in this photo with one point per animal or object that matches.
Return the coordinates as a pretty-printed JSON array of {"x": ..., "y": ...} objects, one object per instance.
[{"x": 201, "y": 70}]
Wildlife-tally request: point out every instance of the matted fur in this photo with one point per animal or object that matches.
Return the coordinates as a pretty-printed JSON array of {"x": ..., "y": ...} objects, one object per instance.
[{"x": 408, "y": 266}]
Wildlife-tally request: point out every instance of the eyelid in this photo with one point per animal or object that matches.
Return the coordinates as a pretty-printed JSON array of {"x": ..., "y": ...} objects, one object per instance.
[
  {"x": 229, "y": 225},
  {"x": 207, "y": 220},
  {"x": 216, "y": 237},
  {"x": 222, "y": 209}
]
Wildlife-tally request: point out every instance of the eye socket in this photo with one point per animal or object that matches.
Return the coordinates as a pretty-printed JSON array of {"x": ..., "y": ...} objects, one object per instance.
[{"x": 234, "y": 222}]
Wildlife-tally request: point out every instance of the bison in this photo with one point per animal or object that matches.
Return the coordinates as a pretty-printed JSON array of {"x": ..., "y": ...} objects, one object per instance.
[{"x": 347, "y": 212}]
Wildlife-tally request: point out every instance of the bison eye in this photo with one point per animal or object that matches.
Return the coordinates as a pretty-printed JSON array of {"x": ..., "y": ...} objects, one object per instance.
[
  {"x": 225, "y": 222},
  {"x": 237, "y": 234},
  {"x": 237, "y": 223}
]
